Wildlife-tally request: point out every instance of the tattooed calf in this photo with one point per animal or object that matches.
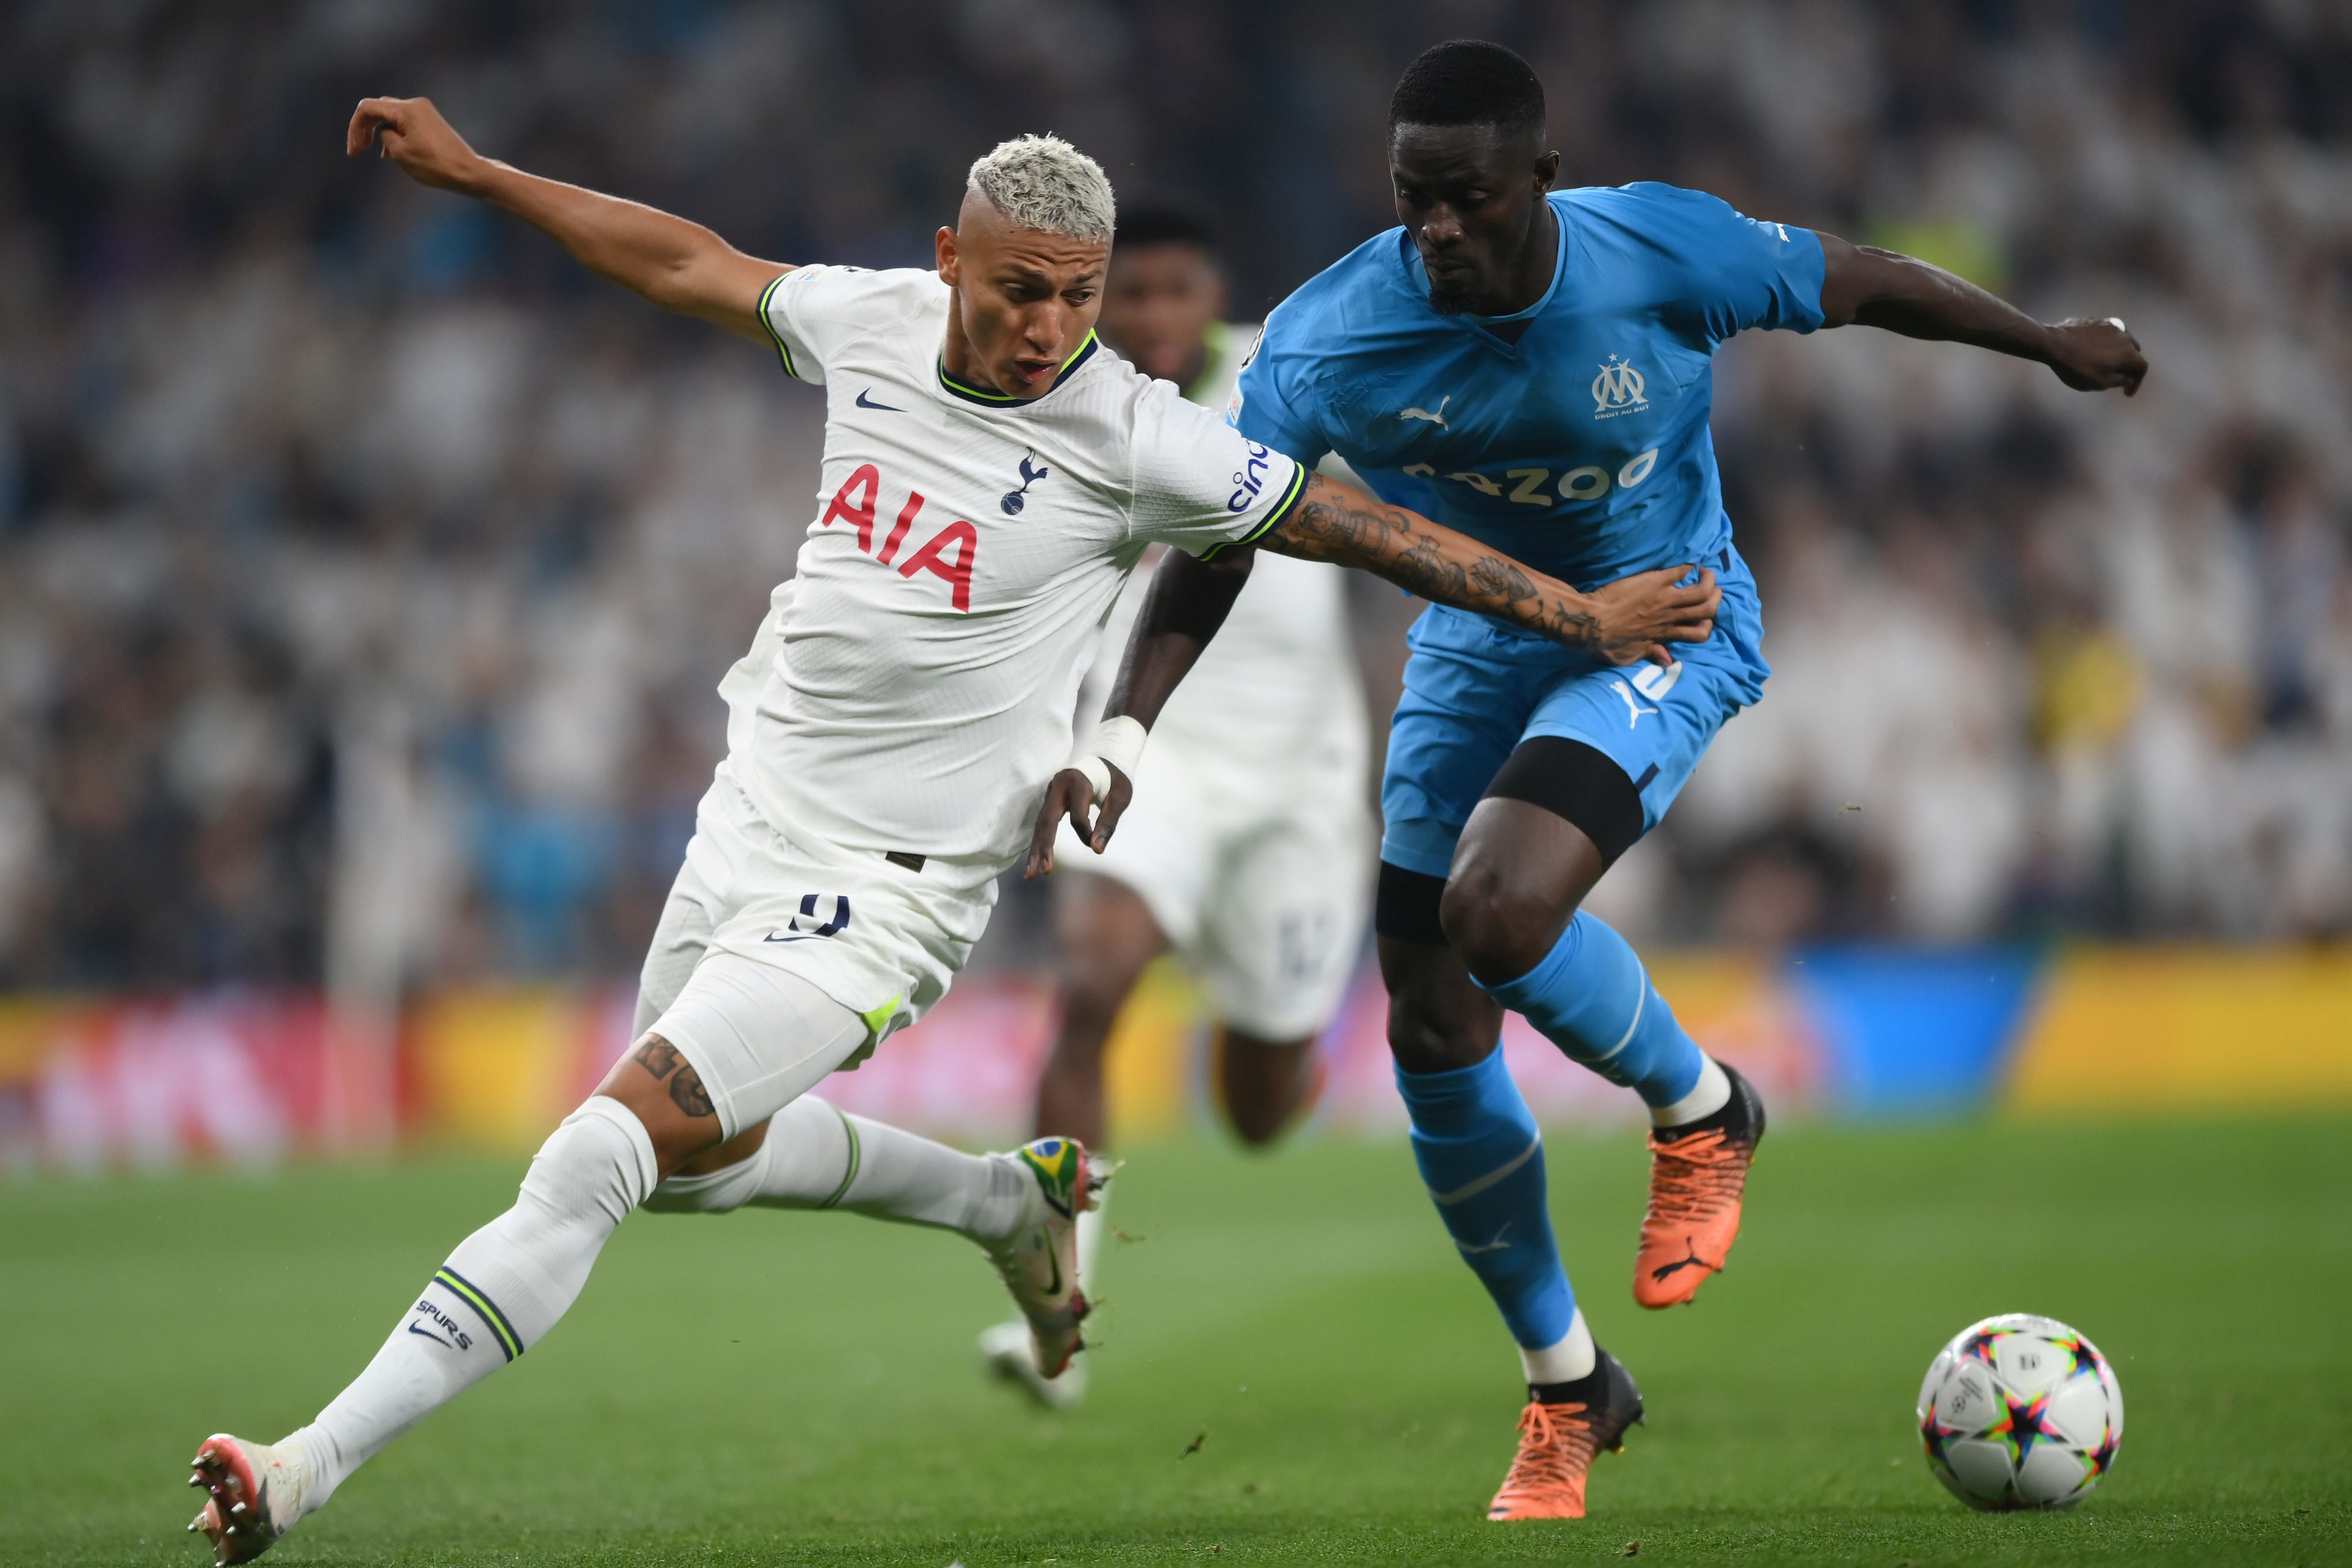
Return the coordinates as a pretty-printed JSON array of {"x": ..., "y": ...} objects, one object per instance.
[{"x": 660, "y": 1058}]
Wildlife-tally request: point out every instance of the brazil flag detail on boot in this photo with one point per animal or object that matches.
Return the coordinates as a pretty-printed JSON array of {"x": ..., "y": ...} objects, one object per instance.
[{"x": 1060, "y": 1167}]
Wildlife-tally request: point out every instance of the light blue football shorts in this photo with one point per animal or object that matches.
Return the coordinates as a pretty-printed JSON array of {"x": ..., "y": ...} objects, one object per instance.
[{"x": 1474, "y": 688}]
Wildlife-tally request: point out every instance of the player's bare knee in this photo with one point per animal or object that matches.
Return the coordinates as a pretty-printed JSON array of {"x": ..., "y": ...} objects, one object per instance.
[
  {"x": 1501, "y": 927},
  {"x": 1265, "y": 1084},
  {"x": 1091, "y": 999},
  {"x": 1108, "y": 940},
  {"x": 662, "y": 1090},
  {"x": 1103, "y": 955},
  {"x": 1259, "y": 1120}
]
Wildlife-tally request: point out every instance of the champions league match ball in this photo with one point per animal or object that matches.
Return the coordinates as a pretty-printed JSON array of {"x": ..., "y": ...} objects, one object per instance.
[{"x": 2021, "y": 1411}]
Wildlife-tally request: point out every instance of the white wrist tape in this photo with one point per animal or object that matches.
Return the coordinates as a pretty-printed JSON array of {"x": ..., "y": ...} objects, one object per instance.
[{"x": 1116, "y": 742}]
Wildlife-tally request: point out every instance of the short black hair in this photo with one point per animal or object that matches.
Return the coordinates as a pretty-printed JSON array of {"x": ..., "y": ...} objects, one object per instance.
[
  {"x": 1166, "y": 222},
  {"x": 1469, "y": 82}
]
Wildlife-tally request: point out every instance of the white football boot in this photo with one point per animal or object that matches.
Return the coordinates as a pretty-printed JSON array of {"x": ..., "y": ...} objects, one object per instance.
[
  {"x": 1006, "y": 1350},
  {"x": 1039, "y": 1261},
  {"x": 256, "y": 1494}
]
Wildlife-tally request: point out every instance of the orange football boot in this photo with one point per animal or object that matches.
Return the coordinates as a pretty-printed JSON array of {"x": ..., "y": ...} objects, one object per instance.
[
  {"x": 1557, "y": 1443},
  {"x": 1698, "y": 1175}
]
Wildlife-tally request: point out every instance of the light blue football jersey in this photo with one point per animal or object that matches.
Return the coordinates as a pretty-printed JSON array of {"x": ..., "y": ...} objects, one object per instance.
[{"x": 1581, "y": 448}]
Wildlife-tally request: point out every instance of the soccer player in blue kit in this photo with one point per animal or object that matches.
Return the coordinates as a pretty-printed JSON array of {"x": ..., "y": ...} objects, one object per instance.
[{"x": 1533, "y": 368}]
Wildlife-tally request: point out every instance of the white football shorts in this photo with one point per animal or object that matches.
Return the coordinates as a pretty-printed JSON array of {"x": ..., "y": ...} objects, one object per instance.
[
  {"x": 758, "y": 916},
  {"x": 1262, "y": 882}
]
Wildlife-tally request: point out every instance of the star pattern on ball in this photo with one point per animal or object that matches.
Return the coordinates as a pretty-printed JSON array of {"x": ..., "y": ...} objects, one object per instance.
[
  {"x": 1935, "y": 1434},
  {"x": 1978, "y": 1346},
  {"x": 2083, "y": 1357},
  {"x": 2103, "y": 1457},
  {"x": 2022, "y": 1423}
]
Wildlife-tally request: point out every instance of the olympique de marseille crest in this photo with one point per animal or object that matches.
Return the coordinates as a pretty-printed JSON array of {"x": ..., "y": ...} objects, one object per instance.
[{"x": 1618, "y": 390}]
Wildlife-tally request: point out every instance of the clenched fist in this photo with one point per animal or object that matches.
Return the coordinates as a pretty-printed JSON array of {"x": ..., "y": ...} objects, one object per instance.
[{"x": 2097, "y": 355}]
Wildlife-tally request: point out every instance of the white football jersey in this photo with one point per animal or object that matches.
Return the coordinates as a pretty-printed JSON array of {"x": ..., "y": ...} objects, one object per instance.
[
  {"x": 1277, "y": 690},
  {"x": 912, "y": 687}
]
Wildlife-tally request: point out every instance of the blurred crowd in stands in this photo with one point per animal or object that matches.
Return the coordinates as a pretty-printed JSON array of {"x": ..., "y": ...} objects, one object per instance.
[{"x": 366, "y": 569}]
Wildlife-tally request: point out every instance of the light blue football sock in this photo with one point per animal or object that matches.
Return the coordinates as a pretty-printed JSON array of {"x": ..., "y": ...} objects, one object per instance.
[
  {"x": 1591, "y": 997},
  {"x": 1482, "y": 1159}
]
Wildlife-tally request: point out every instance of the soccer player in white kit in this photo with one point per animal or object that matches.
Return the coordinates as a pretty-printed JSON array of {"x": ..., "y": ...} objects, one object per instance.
[
  {"x": 1250, "y": 843},
  {"x": 990, "y": 479}
]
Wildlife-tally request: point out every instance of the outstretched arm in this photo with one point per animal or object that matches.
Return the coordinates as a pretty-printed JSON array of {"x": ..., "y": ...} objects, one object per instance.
[
  {"x": 677, "y": 265},
  {"x": 1624, "y": 623},
  {"x": 1862, "y": 283}
]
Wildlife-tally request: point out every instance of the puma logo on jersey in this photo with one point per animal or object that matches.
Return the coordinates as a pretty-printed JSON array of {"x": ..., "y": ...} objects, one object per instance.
[
  {"x": 1633, "y": 707},
  {"x": 1014, "y": 499},
  {"x": 1437, "y": 418}
]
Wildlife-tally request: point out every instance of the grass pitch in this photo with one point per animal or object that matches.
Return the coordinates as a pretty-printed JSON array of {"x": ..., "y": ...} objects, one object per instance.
[{"x": 1293, "y": 1367}]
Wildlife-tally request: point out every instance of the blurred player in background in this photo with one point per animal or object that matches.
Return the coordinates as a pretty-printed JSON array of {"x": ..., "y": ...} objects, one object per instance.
[
  {"x": 1248, "y": 848},
  {"x": 992, "y": 480},
  {"x": 1534, "y": 366}
]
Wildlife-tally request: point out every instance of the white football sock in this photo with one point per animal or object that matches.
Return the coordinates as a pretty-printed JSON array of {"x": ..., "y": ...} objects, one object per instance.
[
  {"x": 500, "y": 1291},
  {"x": 1571, "y": 1358},
  {"x": 816, "y": 1157},
  {"x": 1711, "y": 1093}
]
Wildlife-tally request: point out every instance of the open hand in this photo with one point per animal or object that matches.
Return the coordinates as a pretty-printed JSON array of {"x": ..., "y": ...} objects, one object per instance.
[
  {"x": 1071, "y": 795},
  {"x": 412, "y": 133},
  {"x": 2098, "y": 355},
  {"x": 1638, "y": 615}
]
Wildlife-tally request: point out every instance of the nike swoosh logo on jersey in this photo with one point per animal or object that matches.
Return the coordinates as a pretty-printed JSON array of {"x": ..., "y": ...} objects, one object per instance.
[{"x": 865, "y": 402}]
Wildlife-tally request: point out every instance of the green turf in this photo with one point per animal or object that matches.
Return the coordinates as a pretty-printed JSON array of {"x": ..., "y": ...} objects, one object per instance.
[{"x": 771, "y": 1389}]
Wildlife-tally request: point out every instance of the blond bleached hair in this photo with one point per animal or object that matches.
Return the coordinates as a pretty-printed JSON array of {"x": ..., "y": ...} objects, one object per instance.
[{"x": 1044, "y": 182}]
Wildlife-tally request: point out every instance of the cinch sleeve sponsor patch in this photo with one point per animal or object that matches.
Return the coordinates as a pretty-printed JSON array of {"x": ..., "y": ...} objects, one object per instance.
[
  {"x": 1202, "y": 485},
  {"x": 1287, "y": 501}
]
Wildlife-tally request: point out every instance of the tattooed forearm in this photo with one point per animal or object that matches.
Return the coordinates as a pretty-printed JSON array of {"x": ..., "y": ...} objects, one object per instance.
[
  {"x": 1335, "y": 523},
  {"x": 1337, "y": 529},
  {"x": 1574, "y": 627},
  {"x": 1500, "y": 579},
  {"x": 1422, "y": 567},
  {"x": 660, "y": 1058}
]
